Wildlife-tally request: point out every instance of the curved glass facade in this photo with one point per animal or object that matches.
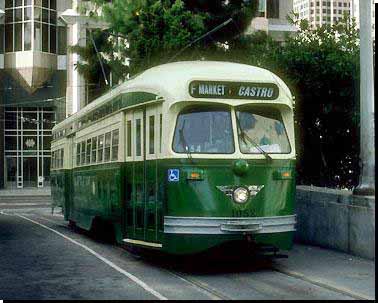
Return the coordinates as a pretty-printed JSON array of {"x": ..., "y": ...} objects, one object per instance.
[{"x": 30, "y": 25}]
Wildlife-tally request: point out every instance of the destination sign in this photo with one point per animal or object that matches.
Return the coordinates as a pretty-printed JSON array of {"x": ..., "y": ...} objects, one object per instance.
[{"x": 233, "y": 90}]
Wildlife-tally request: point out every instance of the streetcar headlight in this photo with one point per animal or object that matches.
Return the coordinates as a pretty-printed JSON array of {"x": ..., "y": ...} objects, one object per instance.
[{"x": 241, "y": 195}]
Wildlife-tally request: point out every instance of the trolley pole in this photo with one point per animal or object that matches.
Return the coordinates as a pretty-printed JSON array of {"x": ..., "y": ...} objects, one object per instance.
[{"x": 366, "y": 185}]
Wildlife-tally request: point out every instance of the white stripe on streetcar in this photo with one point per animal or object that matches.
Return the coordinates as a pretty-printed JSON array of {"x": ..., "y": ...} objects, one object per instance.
[{"x": 111, "y": 264}]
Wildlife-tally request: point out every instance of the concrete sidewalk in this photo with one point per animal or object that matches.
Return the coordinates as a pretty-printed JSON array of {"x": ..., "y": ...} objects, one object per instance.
[
  {"x": 335, "y": 270},
  {"x": 25, "y": 192}
]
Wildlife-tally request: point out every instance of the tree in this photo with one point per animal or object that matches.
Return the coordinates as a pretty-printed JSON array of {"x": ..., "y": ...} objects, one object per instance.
[
  {"x": 321, "y": 67},
  {"x": 151, "y": 32}
]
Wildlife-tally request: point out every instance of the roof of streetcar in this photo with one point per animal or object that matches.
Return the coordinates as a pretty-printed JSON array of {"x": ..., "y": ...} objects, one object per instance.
[{"x": 171, "y": 82}]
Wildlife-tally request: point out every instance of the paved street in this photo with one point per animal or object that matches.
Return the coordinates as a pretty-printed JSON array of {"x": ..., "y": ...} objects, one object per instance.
[{"x": 42, "y": 258}]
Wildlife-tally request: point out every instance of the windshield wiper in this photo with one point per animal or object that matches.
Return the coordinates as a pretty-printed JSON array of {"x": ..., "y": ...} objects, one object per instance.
[
  {"x": 245, "y": 136},
  {"x": 184, "y": 143}
]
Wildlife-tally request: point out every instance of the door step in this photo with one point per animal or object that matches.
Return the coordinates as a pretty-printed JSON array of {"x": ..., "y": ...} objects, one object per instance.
[{"x": 139, "y": 242}]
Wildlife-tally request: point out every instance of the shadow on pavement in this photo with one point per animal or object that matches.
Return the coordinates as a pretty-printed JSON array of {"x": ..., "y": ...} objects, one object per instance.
[{"x": 231, "y": 258}]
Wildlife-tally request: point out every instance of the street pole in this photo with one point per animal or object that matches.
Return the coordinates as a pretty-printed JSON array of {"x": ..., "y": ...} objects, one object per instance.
[{"x": 366, "y": 186}]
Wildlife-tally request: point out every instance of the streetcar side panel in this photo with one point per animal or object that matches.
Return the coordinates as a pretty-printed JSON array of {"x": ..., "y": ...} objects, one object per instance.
[{"x": 97, "y": 173}]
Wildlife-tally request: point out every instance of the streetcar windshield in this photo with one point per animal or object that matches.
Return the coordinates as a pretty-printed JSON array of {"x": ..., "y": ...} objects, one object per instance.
[
  {"x": 261, "y": 128},
  {"x": 205, "y": 131}
]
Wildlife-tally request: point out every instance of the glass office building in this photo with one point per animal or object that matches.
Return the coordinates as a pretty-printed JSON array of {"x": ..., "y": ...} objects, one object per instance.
[{"x": 33, "y": 82}]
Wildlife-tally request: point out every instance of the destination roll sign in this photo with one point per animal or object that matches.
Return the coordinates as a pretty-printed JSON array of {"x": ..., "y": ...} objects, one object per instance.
[{"x": 233, "y": 90}]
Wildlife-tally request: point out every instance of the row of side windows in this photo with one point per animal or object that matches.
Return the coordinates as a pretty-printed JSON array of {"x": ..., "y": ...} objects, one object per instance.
[
  {"x": 102, "y": 148},
  {"x": 57, "y": 159}
]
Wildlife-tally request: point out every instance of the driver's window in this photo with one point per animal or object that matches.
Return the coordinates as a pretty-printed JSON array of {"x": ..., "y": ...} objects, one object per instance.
[{"x": 204, "y": 131}]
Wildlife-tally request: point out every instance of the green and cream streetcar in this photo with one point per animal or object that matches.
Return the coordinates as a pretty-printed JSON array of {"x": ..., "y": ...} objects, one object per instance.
[{"x": 185, "y": 157}]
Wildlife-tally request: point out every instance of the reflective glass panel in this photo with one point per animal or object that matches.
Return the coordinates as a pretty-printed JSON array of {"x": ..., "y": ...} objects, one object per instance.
[
  {"x": 18, "y": 37},
  {"x": 27, "y": 13},
  {"x": 27, "y": 34}
]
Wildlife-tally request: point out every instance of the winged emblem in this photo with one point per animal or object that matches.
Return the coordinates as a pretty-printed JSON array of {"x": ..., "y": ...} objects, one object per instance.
[{"x": 228, "y": 189}]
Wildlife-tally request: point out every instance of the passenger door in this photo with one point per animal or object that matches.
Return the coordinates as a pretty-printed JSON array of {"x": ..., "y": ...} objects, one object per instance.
[
  {"x": 142, "y": 148},
  {"x": 138, "y": 196},
  {"x": 129, "y": 177},
  {"x": 151, "y": 186}
]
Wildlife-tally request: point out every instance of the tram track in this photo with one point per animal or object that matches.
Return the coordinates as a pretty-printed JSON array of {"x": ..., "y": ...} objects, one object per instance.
[
  {"x": 321, "y": 284},
  {"x": 215, "y": 293},
  {"x": 206, "y": 289}
]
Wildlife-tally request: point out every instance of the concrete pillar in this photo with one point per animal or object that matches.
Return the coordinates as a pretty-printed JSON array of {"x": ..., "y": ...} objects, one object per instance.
[
  {"x": 76, "y": 35},
  {"x": 366, "y": 186},
  {"x": 75, "y": 81}
]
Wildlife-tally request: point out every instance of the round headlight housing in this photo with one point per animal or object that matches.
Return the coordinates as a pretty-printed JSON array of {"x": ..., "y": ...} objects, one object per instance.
[{"x": 241, "y": 195}]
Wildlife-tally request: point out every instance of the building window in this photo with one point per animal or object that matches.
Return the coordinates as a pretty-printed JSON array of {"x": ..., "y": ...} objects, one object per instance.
[
  {"x": 21, "y": 16},
  {"x": 62, "y": 40}
]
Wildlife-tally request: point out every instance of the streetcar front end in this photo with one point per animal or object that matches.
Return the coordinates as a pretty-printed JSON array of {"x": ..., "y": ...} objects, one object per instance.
[{"x": 230, "y": 173}]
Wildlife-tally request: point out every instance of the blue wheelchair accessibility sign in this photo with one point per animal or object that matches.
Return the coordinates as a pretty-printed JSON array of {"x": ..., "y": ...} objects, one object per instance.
[{"x": 173, "y": 175}]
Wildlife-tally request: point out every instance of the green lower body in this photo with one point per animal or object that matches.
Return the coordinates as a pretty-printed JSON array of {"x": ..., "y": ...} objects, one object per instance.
[
  {"x": 192, "y": 244},
  {"x": 135, "y": 197}
]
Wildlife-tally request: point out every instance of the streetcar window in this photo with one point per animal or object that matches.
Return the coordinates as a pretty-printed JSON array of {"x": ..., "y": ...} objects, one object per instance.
[
  {"x": 152, "y": 135},
  {"x": 139, "y": 218},
  {"x": 115, "y": 142},
  {"x": 161, "y": 132},
  {"x": 89, "y": 149},
  {"x": 100, "y": 150},
  {"x": 108, "y": 137},
  {"x": 129, "y": 144},
  {"x": 94, "y": 149},
  {"x": 263, "y": 127},
  {"x": 78, "y": 154},
  {"x": 204, "y": 130},
  {"x": 62, "y": 158},
  {"x": 83, "y": 153},
  {"x": 138, "y": 139}
]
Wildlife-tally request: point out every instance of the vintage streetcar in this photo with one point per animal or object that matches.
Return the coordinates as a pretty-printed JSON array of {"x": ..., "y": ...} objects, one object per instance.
[{"x": 185, "y": 157}]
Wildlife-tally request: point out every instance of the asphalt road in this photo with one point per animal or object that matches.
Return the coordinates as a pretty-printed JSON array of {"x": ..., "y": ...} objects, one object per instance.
[{"x": 42, "y": 258}]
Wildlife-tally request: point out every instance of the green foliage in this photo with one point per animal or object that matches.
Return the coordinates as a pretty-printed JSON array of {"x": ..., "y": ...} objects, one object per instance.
[
  {"x": 150, "y": 30},
  {"x": 153, "y": 31},
  {"x": 321, "y": 67}
]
